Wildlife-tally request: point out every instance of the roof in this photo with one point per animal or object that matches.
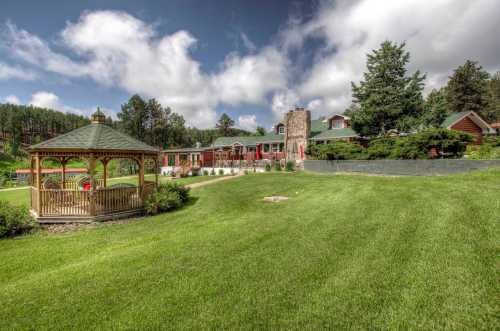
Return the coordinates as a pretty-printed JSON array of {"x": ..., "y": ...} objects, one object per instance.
[
  {"x": 249, "y": 140},
  {"x": 95, "y": 136},
  {"x": 335, "y": 134},
  {"x": 320, "y": 131},
  {"x": 53, "y": 170},
  {"x": 455, "y": 117},
  {"x": 180, "y": 150}
]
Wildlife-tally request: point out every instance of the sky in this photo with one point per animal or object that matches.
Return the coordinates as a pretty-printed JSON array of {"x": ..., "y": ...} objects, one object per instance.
[{"x": 253, "y": 60}]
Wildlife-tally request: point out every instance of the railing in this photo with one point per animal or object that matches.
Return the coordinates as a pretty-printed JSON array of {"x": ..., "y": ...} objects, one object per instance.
[
  {"x": 112, "y": 200},
  {"x": 72, "y": 185},
  {"x": 73, "y": 202},
  {"x": 64, "y": 202}
]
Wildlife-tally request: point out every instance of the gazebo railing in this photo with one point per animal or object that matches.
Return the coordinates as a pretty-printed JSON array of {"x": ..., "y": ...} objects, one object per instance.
[{"x": 74, "y": 202}]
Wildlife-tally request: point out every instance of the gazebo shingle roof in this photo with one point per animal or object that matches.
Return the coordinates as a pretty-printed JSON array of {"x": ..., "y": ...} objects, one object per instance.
[{"x": 96, "y": 136}]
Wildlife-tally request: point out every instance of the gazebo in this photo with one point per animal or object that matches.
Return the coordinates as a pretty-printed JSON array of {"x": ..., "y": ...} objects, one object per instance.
[{"x": 63, "y": 201}]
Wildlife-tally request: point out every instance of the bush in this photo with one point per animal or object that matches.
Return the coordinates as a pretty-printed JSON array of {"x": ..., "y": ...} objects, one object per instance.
[
  {"x": 337, "y": 150},
  {"x": 168, "y": 196},
  {"x": 205, "y": 172},
  {"x": 221, "y": 172},
  {"x": 447, "y": 144},
  {"x": 14, "y": 219},
  {"x": 268, "y": 167},
  {"x": 486, "y": 151},
  {"x": 290, "y": 166},
  {"x": 246, "y": 172},
  {"x": 277, "y": 166},
  {"x": 212, "y": 173},
  {"x": 380, "y": 148}
]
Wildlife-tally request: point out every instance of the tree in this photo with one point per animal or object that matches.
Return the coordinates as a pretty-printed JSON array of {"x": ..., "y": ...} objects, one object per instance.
[
  {"x": 224, "y": 125},
  {"x": 492, "y": 112},
  {"x": 435, "y": 108},
  {"x": 387, "y": 98},
  {"x": 260, "y": 131},
  {"x": 133, "y": 117},
  {"x": 467, "y": 89}
]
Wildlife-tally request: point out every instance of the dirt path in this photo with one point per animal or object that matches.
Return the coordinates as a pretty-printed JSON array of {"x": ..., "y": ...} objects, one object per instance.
[{"x": 209, "y": 182}]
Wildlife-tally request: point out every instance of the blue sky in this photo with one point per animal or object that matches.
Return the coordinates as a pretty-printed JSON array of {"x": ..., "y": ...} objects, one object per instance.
[{"x": 251, "y": 59}]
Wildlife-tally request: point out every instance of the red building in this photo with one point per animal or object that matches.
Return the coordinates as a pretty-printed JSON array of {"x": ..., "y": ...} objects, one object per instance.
[{"x": 469, "y": 122}]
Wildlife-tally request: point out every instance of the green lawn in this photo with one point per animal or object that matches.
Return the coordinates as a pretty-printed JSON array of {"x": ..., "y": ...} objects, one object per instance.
[{"x": 345, "y": 252}]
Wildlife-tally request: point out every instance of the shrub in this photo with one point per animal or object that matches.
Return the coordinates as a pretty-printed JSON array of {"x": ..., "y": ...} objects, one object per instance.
[
  {"x": 290, "y": 166},
  {"x": 277, "y": 166},
  {"x": 486, "y": 151},
  {"x": 268, "y": 167},
  {"x": 337, "y": 150},
  {"x": 212, "y": 173},
  {"x": 205, "y": 172},
  {"x": 14, "y": 219},
  {"x": 380, "y": 148},
  {"x": 168, "y": 196},
  {"x": 221, "y": 172},
  {"x": 246, "y": 172},
  {"x": 447, "y": 144}
]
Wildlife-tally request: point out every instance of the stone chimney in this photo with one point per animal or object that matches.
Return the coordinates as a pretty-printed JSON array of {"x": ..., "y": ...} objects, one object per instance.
[{"x": 298, "y": 130}]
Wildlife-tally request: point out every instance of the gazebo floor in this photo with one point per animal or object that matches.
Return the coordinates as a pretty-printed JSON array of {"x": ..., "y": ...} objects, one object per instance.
[{"x": 56, "y": 219}]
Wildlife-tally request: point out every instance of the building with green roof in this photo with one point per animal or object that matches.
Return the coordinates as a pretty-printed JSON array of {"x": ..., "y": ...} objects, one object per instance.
[{"x": 287, "y": 140}]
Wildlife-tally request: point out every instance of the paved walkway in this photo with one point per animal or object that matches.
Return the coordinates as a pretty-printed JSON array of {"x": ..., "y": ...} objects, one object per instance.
[{"x": 209, "y": 182}]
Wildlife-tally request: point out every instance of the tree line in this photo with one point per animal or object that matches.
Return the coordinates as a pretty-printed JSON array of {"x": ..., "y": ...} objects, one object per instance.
[
  {"x": 26, "y": 125},
  {"x": 390, "y": 99},
  {"x": 149, "y": 121}
]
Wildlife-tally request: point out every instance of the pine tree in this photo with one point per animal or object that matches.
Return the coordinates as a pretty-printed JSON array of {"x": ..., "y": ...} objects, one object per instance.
[
  {"x": 467, "y": 89},
  {"x": 387, "y": 98},
  {"x": 224, "y": 125},
  {"x": 492, "y": 113},
  {"x": 435, "y": 108}
]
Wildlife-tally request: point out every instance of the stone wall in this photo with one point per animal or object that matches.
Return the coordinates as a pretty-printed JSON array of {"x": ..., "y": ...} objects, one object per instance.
[
  {"x": 401, "y": 167},
  {"x": 298, "y": 129}
]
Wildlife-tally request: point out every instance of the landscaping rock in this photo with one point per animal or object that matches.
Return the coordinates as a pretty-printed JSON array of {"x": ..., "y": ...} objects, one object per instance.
[{"x": 275, "y": 198}]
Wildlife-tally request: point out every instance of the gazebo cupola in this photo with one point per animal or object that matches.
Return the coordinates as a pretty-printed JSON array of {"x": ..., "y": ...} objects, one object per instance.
[{"x": 60, "y": 200}]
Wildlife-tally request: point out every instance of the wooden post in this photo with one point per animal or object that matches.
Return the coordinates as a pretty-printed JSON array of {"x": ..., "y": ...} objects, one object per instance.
[
  {"x": 63, "y": 174},
  {"x": 92, "y": 162},
  {"x": 157, "y": 162},
  {"x": 141, "y": 175},
  {"x": 105, "y": 172},
  {"x": 38, "y": 184}
]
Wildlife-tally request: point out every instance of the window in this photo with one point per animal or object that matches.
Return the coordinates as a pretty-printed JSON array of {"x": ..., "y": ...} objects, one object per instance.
[
  {"x": 171, "y": 160},
  {"x": 266, "y": 148},
  {"x": 282, "y": 147},
  {"x": 281, "y": 129},
  {"x": 337, "y": 124},
  {"x": 275, "y": 148}
]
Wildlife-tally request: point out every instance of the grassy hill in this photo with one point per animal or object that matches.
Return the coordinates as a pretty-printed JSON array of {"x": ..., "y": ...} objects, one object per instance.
[{"x": 345, "y": 252}]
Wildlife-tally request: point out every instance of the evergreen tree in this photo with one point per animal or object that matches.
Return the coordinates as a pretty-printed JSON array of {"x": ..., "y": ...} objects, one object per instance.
[
  {"x": 435, "y": 108},
  {"x": 260, "y": 131},
  {"x": 467, "y": 89},
  {"x": 133, "y": 117},
  {"x": 492, "y": 113},
  {"x": 224, "y": 125},
  {"x": 387, "y": 98}
]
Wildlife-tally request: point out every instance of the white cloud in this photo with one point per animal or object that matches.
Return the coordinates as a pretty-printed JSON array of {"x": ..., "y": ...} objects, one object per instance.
[
  {"x": 247, "y": 122},
  {"x": 8, "y": 72},
  {"x": 440, "y": 36},
  {"x": 12, "y": 99},
  {"x": 115, "y": 48},
  {"x": 49, "y": 100},
  {"x": 282, "y": 102},
  {"x": 250, "y": 46},
  {"x": 250, "y": 78}
]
